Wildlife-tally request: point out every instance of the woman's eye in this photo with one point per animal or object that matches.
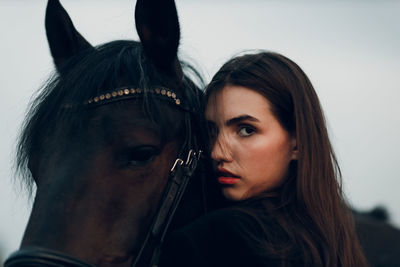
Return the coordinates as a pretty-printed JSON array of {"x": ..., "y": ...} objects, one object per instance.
[
  {"x": 246, "y": 130},
  {"x": 139, "y": 156}
]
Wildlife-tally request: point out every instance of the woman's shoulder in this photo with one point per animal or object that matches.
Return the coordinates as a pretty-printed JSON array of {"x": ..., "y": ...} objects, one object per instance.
[
  {"x": 229, "y": 221},
  {"x": 220, "y": 238},
  {"x": 207, "y": 241}
]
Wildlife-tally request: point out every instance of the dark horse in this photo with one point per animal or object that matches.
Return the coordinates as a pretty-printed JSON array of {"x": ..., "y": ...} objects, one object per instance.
[
  {"x": 378, "y": 238},
  {"x": 100, "y": 142}
]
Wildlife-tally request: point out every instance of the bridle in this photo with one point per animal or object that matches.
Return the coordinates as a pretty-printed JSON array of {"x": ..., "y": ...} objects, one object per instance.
[{"x": 179, "y": 177}]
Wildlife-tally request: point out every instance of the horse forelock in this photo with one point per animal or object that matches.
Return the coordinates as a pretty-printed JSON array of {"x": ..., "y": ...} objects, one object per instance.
[{"x": 120, "y": 63}]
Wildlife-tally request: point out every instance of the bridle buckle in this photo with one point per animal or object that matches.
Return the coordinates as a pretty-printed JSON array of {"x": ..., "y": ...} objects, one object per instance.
[{"x": 190, "y": 164}]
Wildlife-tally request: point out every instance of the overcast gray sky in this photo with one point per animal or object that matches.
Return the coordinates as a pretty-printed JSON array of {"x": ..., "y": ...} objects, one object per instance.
[{"x": 349, "y": 49}]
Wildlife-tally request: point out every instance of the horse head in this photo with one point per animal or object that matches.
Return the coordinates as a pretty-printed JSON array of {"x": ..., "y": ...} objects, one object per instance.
[{"x": 100, "y": 140}]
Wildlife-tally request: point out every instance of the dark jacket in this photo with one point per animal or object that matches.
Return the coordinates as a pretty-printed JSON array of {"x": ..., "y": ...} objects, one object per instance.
[{"x": 219, "y": 239}]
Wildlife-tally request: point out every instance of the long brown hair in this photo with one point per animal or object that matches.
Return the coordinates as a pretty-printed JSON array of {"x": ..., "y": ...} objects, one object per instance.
[{"x": 311, "y": 205}]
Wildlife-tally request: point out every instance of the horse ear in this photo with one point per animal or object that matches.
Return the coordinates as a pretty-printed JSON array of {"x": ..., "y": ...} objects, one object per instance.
[
  {"x": 64, "y": 40},
  {"x": 158, "y": 27}
]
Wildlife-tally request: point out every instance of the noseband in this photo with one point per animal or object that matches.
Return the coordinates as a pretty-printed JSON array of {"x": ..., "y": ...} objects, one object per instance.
[
  {"x": 179, "y": 177},
  {"x": 35, "y": 257}
]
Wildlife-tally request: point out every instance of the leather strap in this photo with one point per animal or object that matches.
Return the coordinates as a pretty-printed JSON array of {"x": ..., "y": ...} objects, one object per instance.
[
  {"x": 32, "y": 257},
  {"x": 181, "y": 173}
]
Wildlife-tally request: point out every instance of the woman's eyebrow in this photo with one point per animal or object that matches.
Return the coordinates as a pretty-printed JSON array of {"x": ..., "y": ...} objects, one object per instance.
[{"x": 240, "y": 118}]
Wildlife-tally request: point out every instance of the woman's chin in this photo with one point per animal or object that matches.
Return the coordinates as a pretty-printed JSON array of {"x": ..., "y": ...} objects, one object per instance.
[{"x": 232, "y": 194}]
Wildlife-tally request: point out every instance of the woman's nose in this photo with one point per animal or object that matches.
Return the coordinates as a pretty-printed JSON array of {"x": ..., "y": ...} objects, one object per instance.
[{"x": 221, "y": 151}]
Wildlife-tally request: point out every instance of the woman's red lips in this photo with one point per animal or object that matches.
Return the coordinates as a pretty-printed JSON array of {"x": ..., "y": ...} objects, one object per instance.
[{"x": 226, "y": 177}]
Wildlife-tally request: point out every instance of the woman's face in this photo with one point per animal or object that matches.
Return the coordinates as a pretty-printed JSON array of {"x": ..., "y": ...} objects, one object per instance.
[{"x": 251, "y": 150}]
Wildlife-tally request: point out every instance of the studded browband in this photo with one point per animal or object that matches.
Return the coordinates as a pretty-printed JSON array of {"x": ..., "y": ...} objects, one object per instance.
[{"x": 126, "y": 92}]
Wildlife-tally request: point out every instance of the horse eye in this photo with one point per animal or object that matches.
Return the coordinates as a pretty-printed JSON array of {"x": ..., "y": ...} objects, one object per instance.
[{"x": 139, "y": 156}]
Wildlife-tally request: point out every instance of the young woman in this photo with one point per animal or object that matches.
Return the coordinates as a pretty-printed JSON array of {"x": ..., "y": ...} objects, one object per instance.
[{"x": 274, "y": 162}]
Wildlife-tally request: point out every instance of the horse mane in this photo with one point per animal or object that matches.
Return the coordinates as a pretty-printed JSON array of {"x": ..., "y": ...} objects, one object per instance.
[{"x": 85, "y": 75}]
